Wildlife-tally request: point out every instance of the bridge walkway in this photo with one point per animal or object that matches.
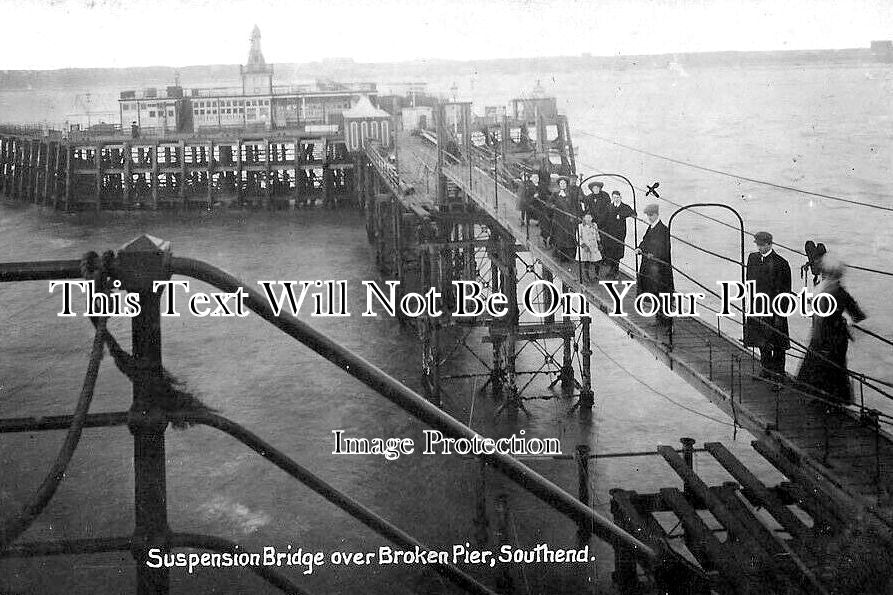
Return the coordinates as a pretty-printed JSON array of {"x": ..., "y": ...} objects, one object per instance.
[{"x": 848, "y": 450}]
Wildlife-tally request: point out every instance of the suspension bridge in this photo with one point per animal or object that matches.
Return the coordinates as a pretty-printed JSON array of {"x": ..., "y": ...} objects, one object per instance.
[
  {"x": 442, "y": 207},
  {"x": 464, "y": 191}
]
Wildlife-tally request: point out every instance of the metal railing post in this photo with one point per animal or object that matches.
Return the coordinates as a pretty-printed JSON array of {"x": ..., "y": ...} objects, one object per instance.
[
  {"x": 583, "y": 532},
  {"x": 139, "y": 264},
  {"x": 710, "y": 360}
]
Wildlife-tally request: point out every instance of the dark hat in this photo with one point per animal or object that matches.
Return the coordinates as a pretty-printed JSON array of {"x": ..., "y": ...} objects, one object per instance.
[
  {"x": 815, "y": 251},
  {"x": 617, "y": 192},
  {"x": 596, "y": 184},
  {"x": 762, "y": 237}
]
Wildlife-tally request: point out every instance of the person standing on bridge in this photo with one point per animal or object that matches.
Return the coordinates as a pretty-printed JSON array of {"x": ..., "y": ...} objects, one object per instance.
[
  {"x": 598, "y": 199},
  {"x": 564, "y": 221},
  {"x": 588, "y": 251},
  {"x": 824, "y": 368},
  {"x": 655, "y": 272},
  {"x": 526, "y": 198},
  {"x": 611, "y": 221},
  {"x": 772, "y": 275}
]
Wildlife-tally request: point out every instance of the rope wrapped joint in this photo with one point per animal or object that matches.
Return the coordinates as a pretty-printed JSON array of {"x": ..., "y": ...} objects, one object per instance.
[{"x": 167, "y": 394}]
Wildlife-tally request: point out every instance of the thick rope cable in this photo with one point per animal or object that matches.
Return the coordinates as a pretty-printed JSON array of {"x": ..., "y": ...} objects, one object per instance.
[{"x": 12, "y": 528}]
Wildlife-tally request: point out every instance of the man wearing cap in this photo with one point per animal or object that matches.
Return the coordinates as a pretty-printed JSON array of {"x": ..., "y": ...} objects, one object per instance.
[
  {"x": 772, "y": 275},
  {"x": 655, "y": 273},
  {"x": 611, "y": 221}
]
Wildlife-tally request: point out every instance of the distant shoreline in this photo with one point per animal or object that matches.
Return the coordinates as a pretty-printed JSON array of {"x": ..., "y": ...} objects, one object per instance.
[{"x": 347, "y": 69}]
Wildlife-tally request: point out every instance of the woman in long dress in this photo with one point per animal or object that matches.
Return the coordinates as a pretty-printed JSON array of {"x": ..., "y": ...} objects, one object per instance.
[
  {"x": 564, "y": 221},
  {"x": 824, "y": 368}
]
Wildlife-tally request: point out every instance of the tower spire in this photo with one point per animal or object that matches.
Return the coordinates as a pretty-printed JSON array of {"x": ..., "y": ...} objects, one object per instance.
[{"x": 255, "y": 55}]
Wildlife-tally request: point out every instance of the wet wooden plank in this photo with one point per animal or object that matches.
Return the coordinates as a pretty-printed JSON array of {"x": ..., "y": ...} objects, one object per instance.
[
  {"x": 789, "y": 562},
  {"x": 736, "y": 570},
  {"x": 819, "y": 488},
  {"x": 700, "y": 490},
  {"x": 757, "y": 492}
]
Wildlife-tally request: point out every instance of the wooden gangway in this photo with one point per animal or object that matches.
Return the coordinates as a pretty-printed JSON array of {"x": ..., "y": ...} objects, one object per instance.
[{"x": 845, "y": 447}]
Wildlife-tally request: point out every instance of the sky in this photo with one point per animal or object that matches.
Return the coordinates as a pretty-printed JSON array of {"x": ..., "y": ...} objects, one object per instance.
[{"x": 49, "y": 34}]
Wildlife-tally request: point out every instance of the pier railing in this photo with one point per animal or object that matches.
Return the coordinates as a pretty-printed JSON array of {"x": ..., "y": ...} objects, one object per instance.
[{"x": 137, "y": 265}]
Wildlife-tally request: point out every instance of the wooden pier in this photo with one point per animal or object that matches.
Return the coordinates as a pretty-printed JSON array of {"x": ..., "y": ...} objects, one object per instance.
[{"x": 272, "y": 169}]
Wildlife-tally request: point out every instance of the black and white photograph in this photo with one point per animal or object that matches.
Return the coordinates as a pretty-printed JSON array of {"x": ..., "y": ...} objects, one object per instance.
[{"x": 517, "y": 297}]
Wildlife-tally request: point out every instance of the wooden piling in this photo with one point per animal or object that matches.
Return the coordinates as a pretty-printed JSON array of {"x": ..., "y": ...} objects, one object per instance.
[
  {"x": 97, "y": 163},
  {"x": 153, "y": 176},
  {"x": 69, "y": 153}
]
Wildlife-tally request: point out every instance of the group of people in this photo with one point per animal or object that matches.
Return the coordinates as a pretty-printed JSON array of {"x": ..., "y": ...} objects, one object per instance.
[
  {"x": 563, "y": 215},
  {"x": 592, "y": 229},
  {"x": 824, "y": 367}
]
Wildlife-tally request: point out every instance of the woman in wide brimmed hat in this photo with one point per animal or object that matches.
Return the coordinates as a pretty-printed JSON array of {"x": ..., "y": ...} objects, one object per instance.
[{"x": 824, "y": 369}]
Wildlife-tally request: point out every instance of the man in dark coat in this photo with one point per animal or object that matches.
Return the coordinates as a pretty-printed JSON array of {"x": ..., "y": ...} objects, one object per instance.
[
  {"x": 772, "y": 275},
  {"x": 525, "y": 199},
  {"x": 655, "y": 273},
  {"x": 543, "y": 202},
  {"x": 611, "y": 221}
]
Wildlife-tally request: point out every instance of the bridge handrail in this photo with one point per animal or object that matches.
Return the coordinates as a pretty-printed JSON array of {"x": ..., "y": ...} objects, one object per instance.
[
  {"x": 418, "y": 406},
  {"x": 861, "y": 377},
  {"x": 369, "y": 518},
  {"x": 384, "y": 384},
  {"x": 858, "y": 376}
]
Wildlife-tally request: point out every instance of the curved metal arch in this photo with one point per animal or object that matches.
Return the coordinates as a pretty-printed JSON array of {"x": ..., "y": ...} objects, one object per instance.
[{"x": 710, "y": 204}]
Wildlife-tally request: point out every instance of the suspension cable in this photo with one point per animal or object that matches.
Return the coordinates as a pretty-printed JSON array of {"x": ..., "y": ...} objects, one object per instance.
[
  {"x": 13, "y": 527},
  {"x": 863, "y": 377},
  {"x": 572, "y": 216},
  {"x": 738, "y": 176},
  {"x": 793, "y": 250},
  {"x": 659, "y": 393},
  {"x": 749, "y": 233}
]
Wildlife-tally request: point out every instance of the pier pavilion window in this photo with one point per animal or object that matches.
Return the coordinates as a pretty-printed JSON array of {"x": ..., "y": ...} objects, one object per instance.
[{"x": 357, "y": 142}]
